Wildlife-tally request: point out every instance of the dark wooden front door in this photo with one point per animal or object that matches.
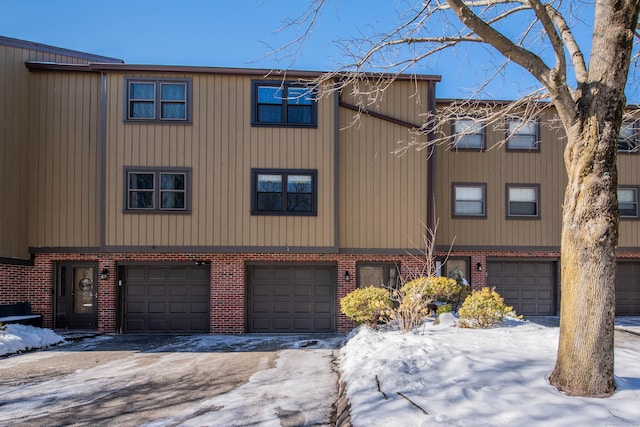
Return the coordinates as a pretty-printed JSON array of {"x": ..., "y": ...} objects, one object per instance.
[{"x": 76, "y": 297}]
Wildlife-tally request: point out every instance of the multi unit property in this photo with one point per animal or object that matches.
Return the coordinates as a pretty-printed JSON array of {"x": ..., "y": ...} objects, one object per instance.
[{"x": 181, "y": 199}]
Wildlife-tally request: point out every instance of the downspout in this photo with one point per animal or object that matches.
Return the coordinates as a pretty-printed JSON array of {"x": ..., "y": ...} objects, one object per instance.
[{"x": 431, "y": 161}]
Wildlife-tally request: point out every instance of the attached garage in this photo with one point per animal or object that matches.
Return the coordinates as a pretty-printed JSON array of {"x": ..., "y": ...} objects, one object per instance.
[
  {"x": 628, "y": 288},
  {"x": 291, "y": 298},
  {"x": 530, "y": 287},
  {"x": 159, "y": 299}
]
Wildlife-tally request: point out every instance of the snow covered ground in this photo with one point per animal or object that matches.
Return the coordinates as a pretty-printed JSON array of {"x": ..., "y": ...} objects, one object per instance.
[{"x": 442, "y": 375}]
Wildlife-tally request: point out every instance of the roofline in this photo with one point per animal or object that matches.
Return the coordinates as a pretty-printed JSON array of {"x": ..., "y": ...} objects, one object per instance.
[
  {"x": 24, "y": 44},
  {"x": 263, "y": 72}
]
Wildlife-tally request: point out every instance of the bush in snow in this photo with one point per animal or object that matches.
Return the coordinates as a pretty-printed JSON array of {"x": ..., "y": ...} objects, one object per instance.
[
  {"x": 483, "y": 309},
  {"x": 416, "y": 299},
  {"x": 369, "y": 305}
]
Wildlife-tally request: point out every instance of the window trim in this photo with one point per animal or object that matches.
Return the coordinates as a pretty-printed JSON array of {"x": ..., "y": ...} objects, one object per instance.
[
  {"x": 508, "y": 214},
  {"x": 157, "y": 99},
  {"x": 482, "y": 185},
  {"x": 635, "y": 188},
  {"x": 508, "y": 135},
  {"x": 284, "y": 173},
  {"x": 157, "y": 192},
  {"x": 634, "y": 140},
  {"x": 255, "y": 84},
  {"x": 455, "y": 139}
]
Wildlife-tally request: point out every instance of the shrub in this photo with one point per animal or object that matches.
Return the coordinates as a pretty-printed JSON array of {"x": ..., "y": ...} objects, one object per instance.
[
  {"x": 369, "y": 305},
  {"x": 416, "y": 299},
  {"x": 483, "y": 309},
  {"x": 444, "y": 308}
]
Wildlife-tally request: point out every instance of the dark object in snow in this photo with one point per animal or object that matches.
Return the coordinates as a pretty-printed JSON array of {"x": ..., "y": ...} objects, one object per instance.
[{"x": 19, "y": 312}]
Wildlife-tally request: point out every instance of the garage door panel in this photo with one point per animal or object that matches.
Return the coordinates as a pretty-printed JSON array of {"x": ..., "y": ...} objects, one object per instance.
[
  {"x": 166, "y": 299},
  {"x": 528, "y": 286},
  {"x": 292, "y": 298},
  {"x": 628, "y": 288}
]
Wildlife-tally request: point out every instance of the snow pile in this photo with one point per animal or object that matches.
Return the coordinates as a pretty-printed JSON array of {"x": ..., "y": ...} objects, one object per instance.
[
  {"x": 443, "y": 375},
  {"x": 15, "y": 338}
]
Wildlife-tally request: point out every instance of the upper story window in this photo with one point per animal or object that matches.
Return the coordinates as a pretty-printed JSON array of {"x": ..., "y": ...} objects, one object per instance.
[
  {"x": 284, "y": 192},
  {"x": 522, "y": 135},
  {"x": 468, "y": 134},
  {"x": 160, "y": 101},
  {"x": 284, "y": 104},
  {"x": 157, "y": 190},
  {"x": 628, "y": 202},
  {"x": 628, "y": 139},
  {"x": 469, "y": 200},
  {"x": 523, "y": 201}
]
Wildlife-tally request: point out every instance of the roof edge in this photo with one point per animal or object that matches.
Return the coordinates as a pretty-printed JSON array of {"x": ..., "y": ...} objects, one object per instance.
[{"x": 24, "y": 44}]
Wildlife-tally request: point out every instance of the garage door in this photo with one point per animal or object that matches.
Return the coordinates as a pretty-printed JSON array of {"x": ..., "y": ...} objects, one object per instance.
[
  {"x": 628, "y": 289},
  {"x": 291, "y": 298},
  {"x": 528, "y": 286},
  {"x": 166, "y": 299}
]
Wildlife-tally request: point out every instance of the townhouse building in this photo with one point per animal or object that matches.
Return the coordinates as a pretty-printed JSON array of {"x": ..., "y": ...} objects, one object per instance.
[{"x": 174, "y": 199}]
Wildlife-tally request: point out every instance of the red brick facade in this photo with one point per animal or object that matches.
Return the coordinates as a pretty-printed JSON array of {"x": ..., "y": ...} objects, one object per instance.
[{"x": 228, "y": 283}]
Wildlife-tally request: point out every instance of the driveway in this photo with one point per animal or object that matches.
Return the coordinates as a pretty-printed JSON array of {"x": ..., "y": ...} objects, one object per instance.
[{"x": 203, "y": 380}]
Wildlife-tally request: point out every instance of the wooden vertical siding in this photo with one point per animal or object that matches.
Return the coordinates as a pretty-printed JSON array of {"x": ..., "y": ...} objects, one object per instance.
[
  {"x": 221, "y": 147},
  {"x": 64, "y": 167},
  {"x": 629, "y": 175},
  {"x": 497, "y": 167},
  {"x": 382, "y": 196},
  {"x": 19, "y": 150}
]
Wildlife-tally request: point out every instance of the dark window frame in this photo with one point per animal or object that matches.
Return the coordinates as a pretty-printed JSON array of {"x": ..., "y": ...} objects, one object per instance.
[
  {"x": 157, "y": 100},
  {"x": 455, "y": 185},
  {"x": 285, "y": 86},
  {"x": 455, "y": 139},
  {"x": 451, "y": 261},
  {"x": 629, "y": 145},
  {"x": 636, "y": 190},
  {"x": 508, "y": 202},
  {"x": 157, "y": 191},
  {"x": 509, "y": 136},
  {"x": 284, "y": 173}
]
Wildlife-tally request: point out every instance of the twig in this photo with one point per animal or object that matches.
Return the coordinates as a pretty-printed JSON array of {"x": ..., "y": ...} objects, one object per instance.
[
  {"x": 414, "y": 404},
  {"x": 378, "y": 382}
]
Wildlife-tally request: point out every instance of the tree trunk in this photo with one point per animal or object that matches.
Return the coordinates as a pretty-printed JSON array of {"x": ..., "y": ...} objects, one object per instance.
[{"x": 584, "y": 366}]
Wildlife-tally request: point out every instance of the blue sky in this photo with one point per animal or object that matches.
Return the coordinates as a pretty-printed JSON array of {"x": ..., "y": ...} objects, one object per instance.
[{"x": 236, "y": 33}]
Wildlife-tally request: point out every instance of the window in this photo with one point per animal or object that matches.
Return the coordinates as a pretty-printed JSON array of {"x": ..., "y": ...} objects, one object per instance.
[
  {"x": 628, "y": 139},
  {"x": 455, "y": 268},
  {"x": 468, "y": 134},
  {"x": 523, "y": 201},
  {"x": 469, "y": 200},
  {"x": 158, "y": 100},
  {"x": 283, "y": 104},
  {"x": 628, "y": 202},
  {"x": 283, "y": 192},
  {"x": 377, "y": 274},
  {"x": 522, "y": 135},
  {"x": 157, "y": 190}
]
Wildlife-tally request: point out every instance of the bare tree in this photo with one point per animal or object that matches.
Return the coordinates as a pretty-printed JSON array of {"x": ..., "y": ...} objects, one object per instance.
[{"x": 589, "y": 97}]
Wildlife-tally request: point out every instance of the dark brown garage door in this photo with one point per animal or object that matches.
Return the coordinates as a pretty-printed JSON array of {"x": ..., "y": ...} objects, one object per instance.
[
  {"x": 628, "y": 288},
  {"x": 291, "y": 298},
  {"x": 166, "y": 299},
  {"x": 528, "y": 286}
]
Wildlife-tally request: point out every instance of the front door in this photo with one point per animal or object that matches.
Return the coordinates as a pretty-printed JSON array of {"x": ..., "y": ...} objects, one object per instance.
[{"x": 76, "y": 302}]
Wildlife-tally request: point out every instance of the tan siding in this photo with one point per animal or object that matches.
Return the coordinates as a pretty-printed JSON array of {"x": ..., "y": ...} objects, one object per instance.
[
  {"x": 64, "y": 167},
  {"x": 497, "y": 167},
  {"x": 221, "y": 147},
  {"x": 629, "y": 174},
  {"x": 383, "y": 197}
]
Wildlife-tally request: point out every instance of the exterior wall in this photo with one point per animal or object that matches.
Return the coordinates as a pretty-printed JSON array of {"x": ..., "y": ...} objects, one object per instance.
[
  {"x": 228, "y": 282},
  {"x": 221, "y": 147},
  {"x": 14, "y": 283},
  {"x": 497, "y": 167},
  {"x": 382, "y": 196},
  {"x": 629, "y": 174},
  {"x": 64, "y": 167}
]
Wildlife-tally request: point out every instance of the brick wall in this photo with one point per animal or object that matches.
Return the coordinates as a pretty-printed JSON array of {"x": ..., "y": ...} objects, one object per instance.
[{"x": 228, "y": 298}]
